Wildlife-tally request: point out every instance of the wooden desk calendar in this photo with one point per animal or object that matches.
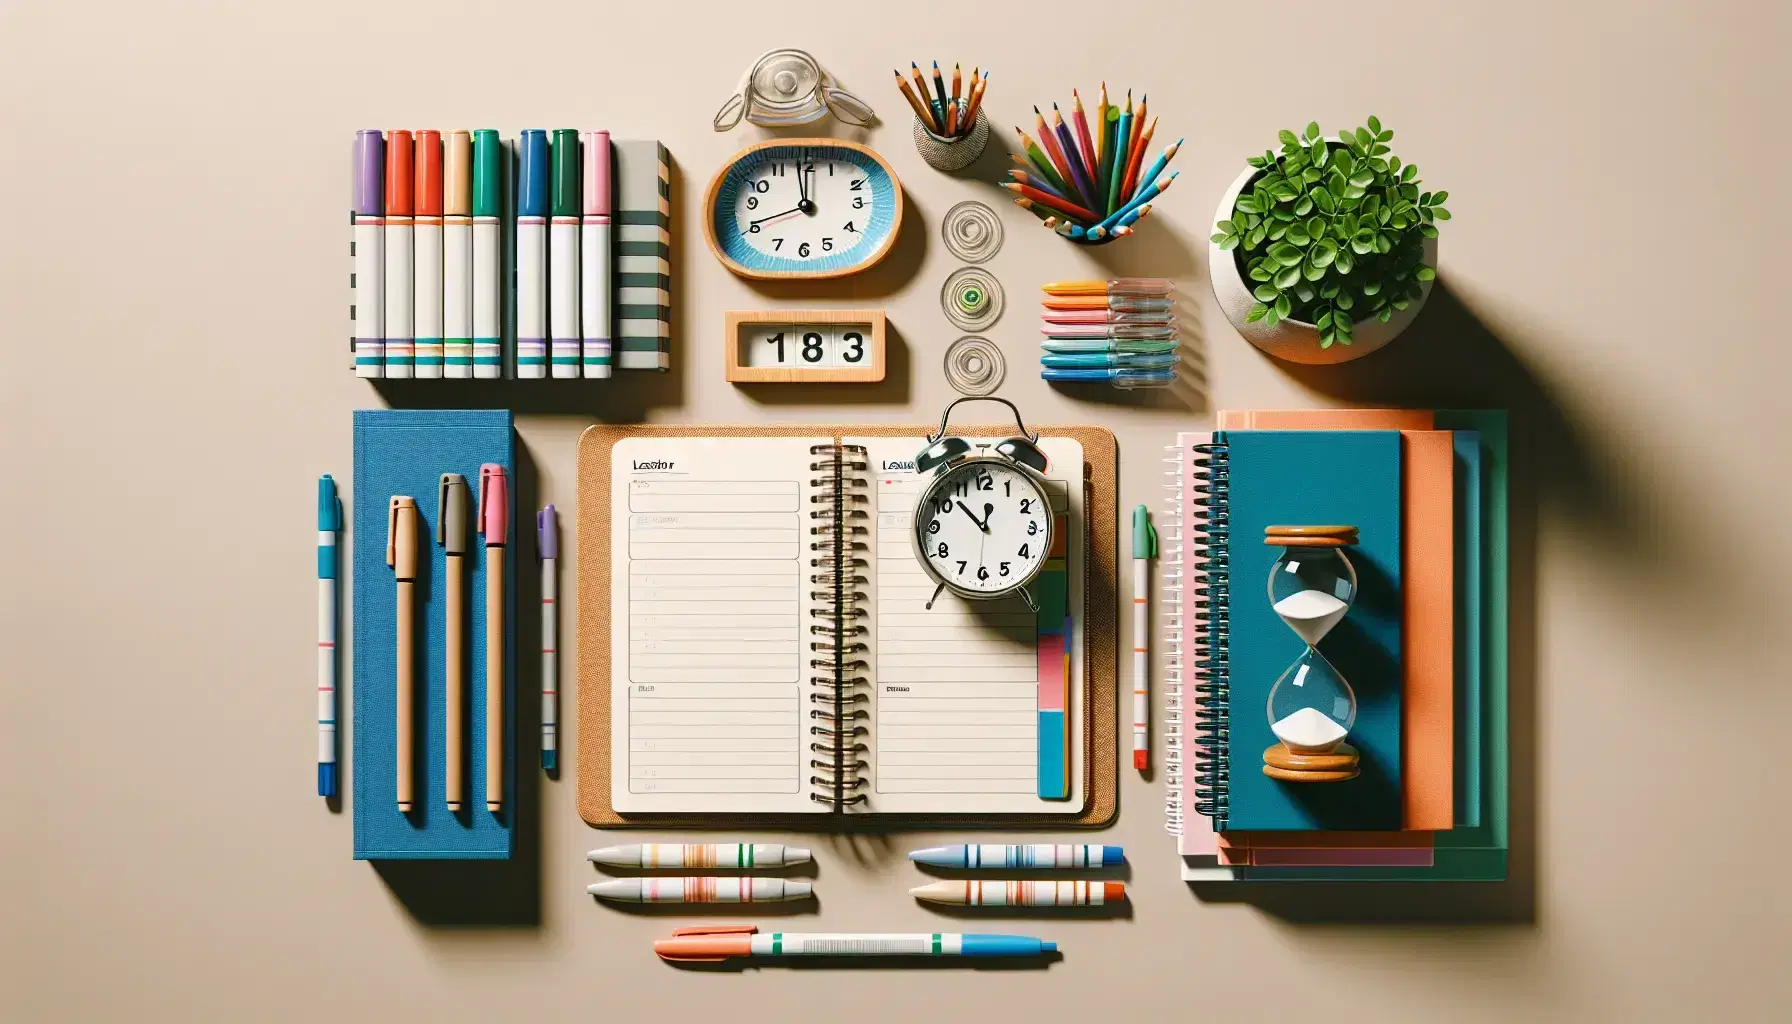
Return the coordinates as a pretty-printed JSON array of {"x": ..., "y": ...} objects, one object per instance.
[{"x": 834, "y": 346}]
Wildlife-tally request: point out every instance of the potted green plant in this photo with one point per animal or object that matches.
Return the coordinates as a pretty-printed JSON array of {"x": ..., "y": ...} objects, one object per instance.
[{"x": 1325, "y": 251}]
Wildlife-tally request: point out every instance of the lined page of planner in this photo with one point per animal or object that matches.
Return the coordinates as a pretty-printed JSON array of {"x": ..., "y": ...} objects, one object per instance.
[
  {"x": 956, "y": 689},
  {"x": 710, "y": 601}
]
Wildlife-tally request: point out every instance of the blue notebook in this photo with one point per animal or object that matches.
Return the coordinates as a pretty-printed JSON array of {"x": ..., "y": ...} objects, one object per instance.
[
  {"x": 406, "y": 452},
  {"x": 1314, "y": 477}
]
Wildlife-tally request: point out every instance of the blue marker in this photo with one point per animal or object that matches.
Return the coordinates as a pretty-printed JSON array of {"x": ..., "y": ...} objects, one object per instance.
[
  {"x": 1037, "y": 855},
  {"x": 533, "y": 184},
  {"x": 329, "y": 521},
  {"x": 1100, "y": 360},
  {"x": 1119, "y": 377}
]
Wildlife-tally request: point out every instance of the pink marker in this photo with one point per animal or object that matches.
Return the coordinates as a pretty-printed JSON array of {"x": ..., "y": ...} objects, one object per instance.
[
  {"x": 597, "y": 358},
  {"x": 494, "y": 526}
]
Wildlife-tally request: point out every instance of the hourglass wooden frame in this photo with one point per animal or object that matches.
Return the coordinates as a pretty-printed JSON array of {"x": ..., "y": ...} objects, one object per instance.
[{"x": 1311, "y": 745}]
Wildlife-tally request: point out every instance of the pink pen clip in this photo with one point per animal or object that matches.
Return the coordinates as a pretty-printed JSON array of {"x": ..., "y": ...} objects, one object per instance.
[{"x": 494, "y": 505}]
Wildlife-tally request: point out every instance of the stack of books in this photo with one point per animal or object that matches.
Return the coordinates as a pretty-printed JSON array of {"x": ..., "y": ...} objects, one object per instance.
[{"x": 1423, "y": 645}]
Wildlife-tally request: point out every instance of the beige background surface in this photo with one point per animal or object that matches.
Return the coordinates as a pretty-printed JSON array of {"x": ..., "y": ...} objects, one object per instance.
[{"x": 175, "y": 179}]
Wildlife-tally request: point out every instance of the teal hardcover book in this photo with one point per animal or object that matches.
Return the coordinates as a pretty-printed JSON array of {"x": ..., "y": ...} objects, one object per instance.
[{"x": 1311, "y": 478}]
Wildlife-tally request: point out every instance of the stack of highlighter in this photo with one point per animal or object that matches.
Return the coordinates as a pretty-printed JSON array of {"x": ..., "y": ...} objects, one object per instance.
[{"x": 1120, "y": 332}]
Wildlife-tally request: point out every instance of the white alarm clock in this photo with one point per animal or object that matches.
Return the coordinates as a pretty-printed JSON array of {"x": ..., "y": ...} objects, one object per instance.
[{"x": 983, "y": 525}]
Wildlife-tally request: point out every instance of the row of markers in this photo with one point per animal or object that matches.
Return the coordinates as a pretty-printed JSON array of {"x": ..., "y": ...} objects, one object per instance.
[
  {"x": 1120, "y": 332},
  {"x": 428, "y": 254}
]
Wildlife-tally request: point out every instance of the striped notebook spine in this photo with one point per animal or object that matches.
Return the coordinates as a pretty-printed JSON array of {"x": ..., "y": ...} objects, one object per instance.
[
  {"x": 1170, "y": 560},
  {"x": 643, "y": 238}
]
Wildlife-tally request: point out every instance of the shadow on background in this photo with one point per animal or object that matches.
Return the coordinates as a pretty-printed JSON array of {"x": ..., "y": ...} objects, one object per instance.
[{"x": 496, "y": 893}]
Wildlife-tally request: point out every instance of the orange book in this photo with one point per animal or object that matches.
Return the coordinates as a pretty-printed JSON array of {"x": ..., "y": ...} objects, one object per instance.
[{"x": 1428, "y": 708}]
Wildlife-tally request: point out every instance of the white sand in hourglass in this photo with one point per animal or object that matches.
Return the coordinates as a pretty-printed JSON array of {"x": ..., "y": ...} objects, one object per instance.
[
  {"x": 1311, "y": 613},
  {"x": 1308, "y": 730}
]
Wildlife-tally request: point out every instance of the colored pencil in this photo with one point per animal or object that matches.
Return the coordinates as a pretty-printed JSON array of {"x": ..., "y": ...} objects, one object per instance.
[
  {"x": 952, "y": 108},
  {"x": 1101, "y": 125},
  {"x": 1037, "y": 211},
  {"x": 1082, "y": 131},
  {"x": 1109, "y": 126},
  {"x": 1067, "y": 208},
  {"x": 1043, "y": 165},
  {"x": 1029, "y": 179},
  {"x": 1129, "y": 185},
  {"x": 1146, "y": 194},
  {"x": 1138, "y": 124},
  {"x": 969, "y": 120},
  {"x": 1157, "y": 167},
  {"x": 1060, "y": 161},
  {"x": 957, "y": 83},
  {"x": 1117, "y": 169},
  {"x": 939, "y": 116},
  {"x": 1078, "y": 170},
  {"x": 939, "y": 86},
  {"x": 925, "y": 115}
]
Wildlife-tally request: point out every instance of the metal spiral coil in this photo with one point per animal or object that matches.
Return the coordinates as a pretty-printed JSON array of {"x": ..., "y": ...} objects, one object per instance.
[
  {"x": 1174, "y": 625},
  {"x": 1209, "y": 586},
  {"x": 838, "y": 589}
]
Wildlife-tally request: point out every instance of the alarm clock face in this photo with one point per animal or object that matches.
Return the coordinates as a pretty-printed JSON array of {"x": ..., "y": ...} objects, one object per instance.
[
  {"x": 984, "y": 527},
  {"x": 803, "y": 208}
]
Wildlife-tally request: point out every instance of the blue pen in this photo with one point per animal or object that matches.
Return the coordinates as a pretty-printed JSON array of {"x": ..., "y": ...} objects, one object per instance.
[
  {"x": 533, "y": 184},
  {"x": 1118, "y": 377},
  {"x": 1165, "y": 343},
  {"x": 1036, "y": 855},
  {"x": 713, "y": 943},
  {"x": 329, "y": 521}
]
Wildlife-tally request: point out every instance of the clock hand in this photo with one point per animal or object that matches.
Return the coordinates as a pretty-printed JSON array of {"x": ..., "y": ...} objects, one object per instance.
[
  {"x": 802, "y": 189},
  {"x": 775, "y": 216},
  {"x": 982, "y": 524}
]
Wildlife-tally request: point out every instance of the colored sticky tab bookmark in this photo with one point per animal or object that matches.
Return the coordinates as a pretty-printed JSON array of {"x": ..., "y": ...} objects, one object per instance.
[{"x": 1054, "y": 632}]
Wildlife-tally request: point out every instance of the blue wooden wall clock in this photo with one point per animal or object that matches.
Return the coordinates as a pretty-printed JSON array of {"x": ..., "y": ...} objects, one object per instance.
[{"x": 802, "y": 208}]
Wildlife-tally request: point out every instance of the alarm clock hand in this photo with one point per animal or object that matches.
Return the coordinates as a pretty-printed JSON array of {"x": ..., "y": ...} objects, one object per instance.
[
  {"x": 804, "y": 203},
  {"x": 775, "y": 216},
  {"x": 982, "y": 524}
]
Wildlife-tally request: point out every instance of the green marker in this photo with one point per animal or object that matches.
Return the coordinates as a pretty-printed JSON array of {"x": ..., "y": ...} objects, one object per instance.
[
  {"x": 488, "y": 253},
  {"x": 564, "y": 340}
]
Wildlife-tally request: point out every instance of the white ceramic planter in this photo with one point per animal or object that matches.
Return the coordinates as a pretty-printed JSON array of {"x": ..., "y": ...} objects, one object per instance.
[{"x": 1294, "y": 340}]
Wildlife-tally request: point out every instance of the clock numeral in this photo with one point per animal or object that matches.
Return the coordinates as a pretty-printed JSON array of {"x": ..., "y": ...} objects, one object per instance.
[
  {"x": 752, "y": 229},
  {"x": 858, "y": 202},
  {"x": 857, "y": 351},
  {"x": 827, "y": 245},
  {"x": 857, "y": 184},
  {"x": 801, "y": 250},
  {"x": 777, "y": 243},
  {"x": 961, "y": 566},
  {"x": 850, "y": 228},
  {"x": 942, "y": 552},
  {"x": 1007, "y": 488},
  {"x": 943, "y": 505},
  {"x": 830, "y": 168},
  {"x": 983, "y": 572},
  {"x": 1026, "y": 506},
  {"x": 1023, "y": 552},
  {"x": 811, "y": 347},
  {"x": 985, "y": 482},
  {"x": 1033, "y": 528},
  {"x": 1004, "y": 568},
  {"x": 761, "y": 185},
  {"x": 777, "y": 171},
  {"x": 962, "y": 488},
  {"x": 752, "y": 202},
  {"x": 933, "y": 527}
]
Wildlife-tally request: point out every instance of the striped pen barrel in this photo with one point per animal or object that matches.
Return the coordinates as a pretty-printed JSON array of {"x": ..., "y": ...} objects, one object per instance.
[
  {"x": 720, "y": 889},
  {"x": 1037, "y": 855},
  {"x": 972, "y": 893},
  {"x": 700, "y": 855},
  {"x": 329, "y": 522},
  {"x": 533, "y": 185},
  {"x": 713, "y": 943},
  {"x": 547, "y": 548}
]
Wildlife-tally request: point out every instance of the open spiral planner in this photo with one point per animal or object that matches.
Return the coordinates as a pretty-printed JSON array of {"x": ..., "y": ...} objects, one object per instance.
[{"x": 771, "y": 652}]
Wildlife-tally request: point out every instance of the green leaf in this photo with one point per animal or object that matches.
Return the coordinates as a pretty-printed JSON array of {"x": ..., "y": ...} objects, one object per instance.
[
  {"x": 1363, "y": 138},
  {"x": 1285, "y": 254},
  {"x": 1346, "y": 261},
  {"x": 1326, "y": 202},
  {"x": 1260, "y": 272},
  {"x": 1324, "y": 323},
  {"x": 1284, "y": 306},
  {"x": 1325, "y": 342},
  {"x": 1400, "y": 303},
  {"x": 1409, "y": 172},
  {"x": 1228, "y": 227},
  {"x": 1257, "y": 235},
  {"x": 1409, "y": 192},
  {"x": 1287, "y": 138},
  {"x": 1312, "y": 272},
  {"x": 1344, "y": 161},
  {"x": 1316, "y": 227},
  {"x": 1387, "y": 136},
  {"x": 1254, "y": 161},
  {"x": 1226, "y": 242},
  {"x": 1425, "y": 199},
  {"x": 1271, "y": 318},
  {"x": 1330, "y": 289},
  {"x": 1378, "y": 163},
  {"x": 1256, "y": 313},
  {"x": 1363, "y": 178},
  {"x": 1304, "y": 207},
  {"x": 1426, "y": 273},
  {"x": 1384, "y": 215},
  {"x": 1374, "y": 124},
  {"x": 1385, "y": 314},
  {"x": 1377, "y": 150},
  {"x": 1427, "y": 230},
  {"x": 1265, "y": 292},
  {"x": 1355, "y": 192},
  {"x": 1304, "y": 292},
  {"x": 1322, "y": 154},
  {"x": 1394, "y": 165},
  {"x": 1345, "y": 301},
  {"x": 1437, "y": 198},
  {"x": 1297, "y": 233},
  {"x": 1371, "y": 287},
  {"x": 1345, "y": 137},
  {"x": 1313, "y": 130},
  {"x": 1440, "y": 213},
  {"x": 1324, "y": 252},
  {"x": 1288, "y": 277},
  {"x": 1384, "y": 243}
]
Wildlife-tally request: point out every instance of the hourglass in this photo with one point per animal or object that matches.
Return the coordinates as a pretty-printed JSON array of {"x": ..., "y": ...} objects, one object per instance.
[{"x": 1311, "y": 707}]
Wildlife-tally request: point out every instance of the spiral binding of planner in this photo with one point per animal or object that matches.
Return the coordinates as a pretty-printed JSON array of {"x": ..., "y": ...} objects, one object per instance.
[
  {"x": 1170, "y": 558},
  {"x": 837, "y": 652},
  {"x": 1209, "y": 587}
]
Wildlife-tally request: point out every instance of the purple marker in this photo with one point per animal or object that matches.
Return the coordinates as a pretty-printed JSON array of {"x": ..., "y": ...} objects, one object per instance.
[
  {"x": 547, "y": 548},
  {"x": 367, "y": 283}
]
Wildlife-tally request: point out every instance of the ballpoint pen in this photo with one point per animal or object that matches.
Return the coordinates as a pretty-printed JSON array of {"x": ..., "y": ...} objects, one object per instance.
[
  {"x": 401, "y": 555},
  {"x": 329, "y": 521},
  {"x": 1144, "y": 548},
  {"x": 451, "y": 534},
  {"x": 547, "y": 546},
  {"x": 494, "y": 526},
  {"x": 719, "y": 942}
]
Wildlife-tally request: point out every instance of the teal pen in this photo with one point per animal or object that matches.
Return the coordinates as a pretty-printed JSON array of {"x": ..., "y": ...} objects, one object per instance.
[
  {"x": 713, "y": 943},
  {"x": 1094, "y": 360},
  {"x": 329, "y": 523},
  {"x": 1118, "y": 377}
]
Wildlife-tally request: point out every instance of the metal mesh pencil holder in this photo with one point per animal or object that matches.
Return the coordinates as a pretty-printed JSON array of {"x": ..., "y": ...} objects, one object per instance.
[{"x": 952, "y": 154}]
